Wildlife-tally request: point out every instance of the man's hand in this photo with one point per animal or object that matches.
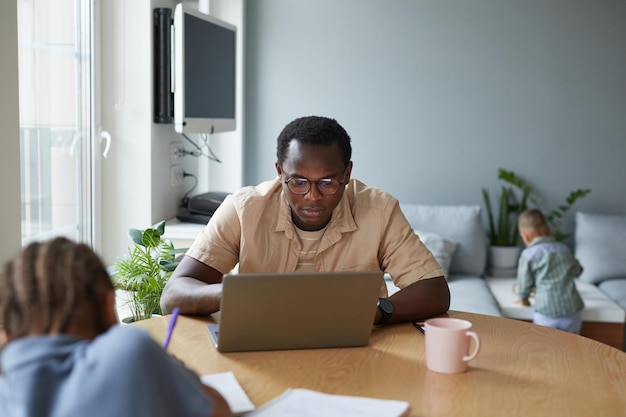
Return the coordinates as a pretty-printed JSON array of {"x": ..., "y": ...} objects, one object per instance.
[
  {"x": 193, "y": 287},
  {"x": 420, "y": 300},
  {"x": 523, "y": 302}
]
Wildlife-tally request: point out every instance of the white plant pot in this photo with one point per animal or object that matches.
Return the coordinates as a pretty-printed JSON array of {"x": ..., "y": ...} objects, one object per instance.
[
  {"x": 504, "y": 257},
  {"x": 130, "y": 320},
  {"x": 124, "y": 312}
]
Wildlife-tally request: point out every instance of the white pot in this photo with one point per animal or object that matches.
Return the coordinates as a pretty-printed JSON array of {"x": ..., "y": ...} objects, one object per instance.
[
  {"x": 504, "y": 257},
  {"x": 130, "y": 320}
]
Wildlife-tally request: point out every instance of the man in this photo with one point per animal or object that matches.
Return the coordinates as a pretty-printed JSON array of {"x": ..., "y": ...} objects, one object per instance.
[
  {"x": 63, "y": 354},
  {"x": 312, "y": 217}
]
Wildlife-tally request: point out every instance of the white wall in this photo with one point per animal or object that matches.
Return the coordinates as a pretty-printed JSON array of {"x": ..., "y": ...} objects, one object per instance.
[
  {"x": 438, "y": 94},
  {"x": 9, "y": 120},
  {"x": 136, "y": 189},
  {"x": 127, "y": 114}
]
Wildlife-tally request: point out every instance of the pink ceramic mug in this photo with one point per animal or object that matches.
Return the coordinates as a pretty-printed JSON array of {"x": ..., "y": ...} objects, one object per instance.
[{"x": 448, "y": 344}]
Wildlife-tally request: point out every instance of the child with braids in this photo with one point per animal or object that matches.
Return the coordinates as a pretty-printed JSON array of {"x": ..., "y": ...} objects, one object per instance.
[{"x": 64, "y": 355}]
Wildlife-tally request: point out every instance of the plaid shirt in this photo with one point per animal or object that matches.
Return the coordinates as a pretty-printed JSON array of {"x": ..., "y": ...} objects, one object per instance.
[{"x": 550, "y": 268}]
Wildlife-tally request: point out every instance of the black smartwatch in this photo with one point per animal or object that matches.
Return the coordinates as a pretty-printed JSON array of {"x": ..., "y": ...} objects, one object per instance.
[{"x": 385, "y": 307}]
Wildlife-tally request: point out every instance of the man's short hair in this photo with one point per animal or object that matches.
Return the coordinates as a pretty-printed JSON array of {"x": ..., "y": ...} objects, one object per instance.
[{"x": 314, "y": 130}]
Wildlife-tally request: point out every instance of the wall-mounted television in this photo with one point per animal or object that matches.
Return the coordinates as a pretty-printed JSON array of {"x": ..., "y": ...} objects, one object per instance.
[{"x": 203, "y": 72}]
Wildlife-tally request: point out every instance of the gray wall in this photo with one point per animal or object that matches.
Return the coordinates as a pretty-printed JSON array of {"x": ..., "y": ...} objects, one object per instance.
[{"x": 437, "y": 95}]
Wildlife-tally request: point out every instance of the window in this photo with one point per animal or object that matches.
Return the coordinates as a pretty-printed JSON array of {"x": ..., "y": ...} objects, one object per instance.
[{"x": 55, "y": 56}]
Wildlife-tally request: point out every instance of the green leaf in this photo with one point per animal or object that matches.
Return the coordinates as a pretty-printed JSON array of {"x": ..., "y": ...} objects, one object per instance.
[
  {"x": 135, "y": 235},
  {"x": 160, "y": 227},
  {"x": 168, "y": 265},
  {"x": 491, "y": 233},
  {"x": 151, "y": 238}
]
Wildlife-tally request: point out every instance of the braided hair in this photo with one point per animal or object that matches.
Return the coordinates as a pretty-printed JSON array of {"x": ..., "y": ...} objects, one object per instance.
[{"x": 52, "y": 285}]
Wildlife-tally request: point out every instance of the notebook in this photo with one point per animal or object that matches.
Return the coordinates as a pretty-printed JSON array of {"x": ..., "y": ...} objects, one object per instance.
[{"x": 297, "y": 310}]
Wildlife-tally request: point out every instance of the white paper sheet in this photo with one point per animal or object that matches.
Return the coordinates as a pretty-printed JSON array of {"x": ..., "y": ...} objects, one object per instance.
[{"x": 307, "y": 403}]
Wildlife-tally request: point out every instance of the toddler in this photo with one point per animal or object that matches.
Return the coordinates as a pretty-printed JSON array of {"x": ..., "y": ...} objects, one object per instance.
[{"x": 548, "y": 268}]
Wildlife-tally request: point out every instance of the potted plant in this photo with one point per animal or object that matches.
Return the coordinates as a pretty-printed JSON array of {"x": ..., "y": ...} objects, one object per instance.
[
  {"x": 503, "y": 234},
  {"x": 145, "y": 270}
]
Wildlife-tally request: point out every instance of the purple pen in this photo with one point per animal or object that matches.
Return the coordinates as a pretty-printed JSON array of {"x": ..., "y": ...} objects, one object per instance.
[{"x": 170, "y": 327}]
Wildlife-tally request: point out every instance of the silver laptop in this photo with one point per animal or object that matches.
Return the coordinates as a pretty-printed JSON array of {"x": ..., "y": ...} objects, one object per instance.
[{"x": 296, "y": 310}]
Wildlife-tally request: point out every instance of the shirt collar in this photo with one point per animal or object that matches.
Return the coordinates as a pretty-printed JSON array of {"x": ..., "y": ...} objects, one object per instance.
[
  {"x": 541, "y": 239},
  {"x": 341, "y": 221}
]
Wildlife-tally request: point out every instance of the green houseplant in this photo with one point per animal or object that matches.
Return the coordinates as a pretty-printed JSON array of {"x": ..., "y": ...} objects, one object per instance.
[
  {"x": 146, "y": 268},
  {"x": 513, "y": 200}
]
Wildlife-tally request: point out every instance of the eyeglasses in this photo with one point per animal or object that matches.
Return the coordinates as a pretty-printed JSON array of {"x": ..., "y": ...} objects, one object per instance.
[{"x": 324, "y": 185}]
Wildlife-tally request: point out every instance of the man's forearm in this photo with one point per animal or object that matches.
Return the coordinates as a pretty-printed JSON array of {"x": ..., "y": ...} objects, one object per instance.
[
  {"x": 420, "y": 300},
  {"x": 191, "y": 296}
]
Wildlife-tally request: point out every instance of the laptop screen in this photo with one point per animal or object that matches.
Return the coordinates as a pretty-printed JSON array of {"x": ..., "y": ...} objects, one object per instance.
[{"x": 297, "y": 310}]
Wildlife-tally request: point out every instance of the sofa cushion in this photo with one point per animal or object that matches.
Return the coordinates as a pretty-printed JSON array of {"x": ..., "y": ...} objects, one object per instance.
[
  {"x": 600, "y": 246},
  {"x": 441, "y": 248},
  {"x": 460, "y": 224},
  {"x": 472, "y": 294},
  {"x": 467, "y": 293},
  {"x": 615, "y": 289}
]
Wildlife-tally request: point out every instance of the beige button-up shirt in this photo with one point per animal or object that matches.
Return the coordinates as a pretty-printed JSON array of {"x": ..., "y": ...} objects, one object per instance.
[{"x": 367, "y": 231}]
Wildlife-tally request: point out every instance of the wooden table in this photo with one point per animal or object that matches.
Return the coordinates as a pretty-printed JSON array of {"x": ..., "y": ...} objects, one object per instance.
[{"x": 522, "y": 370}]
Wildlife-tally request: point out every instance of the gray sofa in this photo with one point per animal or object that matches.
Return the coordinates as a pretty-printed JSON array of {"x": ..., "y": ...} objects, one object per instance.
[
  {"x": 600, "y": 246},
  {"x": 456, "y": 236}
]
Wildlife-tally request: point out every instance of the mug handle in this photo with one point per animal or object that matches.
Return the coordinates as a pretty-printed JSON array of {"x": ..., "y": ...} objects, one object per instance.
[{"x": 474, "y": 336}]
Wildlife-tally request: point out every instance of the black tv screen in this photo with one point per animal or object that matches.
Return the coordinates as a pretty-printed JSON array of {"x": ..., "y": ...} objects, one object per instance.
[{"x": 204, "y": 72}]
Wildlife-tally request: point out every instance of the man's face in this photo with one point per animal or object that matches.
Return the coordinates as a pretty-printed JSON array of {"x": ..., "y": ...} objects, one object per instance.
[{"x": 312, "y": 211}]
